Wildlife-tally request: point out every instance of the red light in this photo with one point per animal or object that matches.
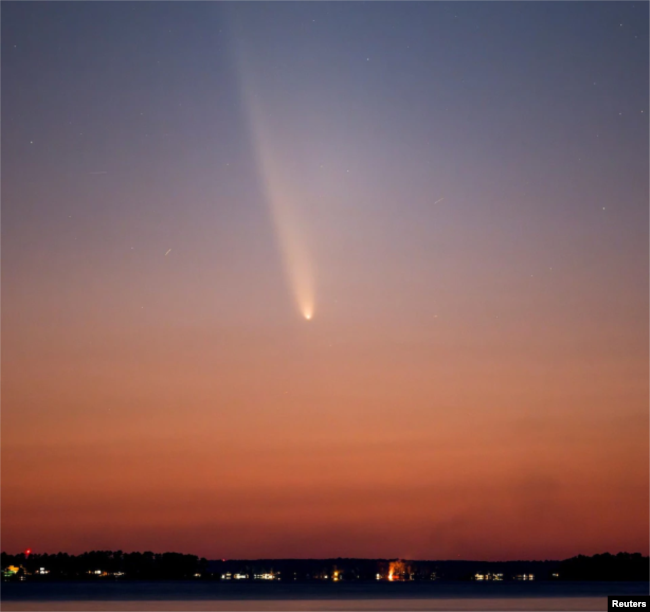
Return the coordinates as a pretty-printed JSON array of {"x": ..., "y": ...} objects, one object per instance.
[{"x": 28, "y": 551}]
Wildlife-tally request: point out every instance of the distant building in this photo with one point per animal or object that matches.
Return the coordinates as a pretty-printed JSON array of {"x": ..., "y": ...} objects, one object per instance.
[
  {"x": 489, "y": 576},
  {"x": 266, "y": 576}
]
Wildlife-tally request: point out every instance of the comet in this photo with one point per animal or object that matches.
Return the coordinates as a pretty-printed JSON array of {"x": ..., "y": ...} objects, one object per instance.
[
  {"x": 286, "y": 205},
  {"x": 438, "y": 201},
  {"x": 168, "y": 252}
]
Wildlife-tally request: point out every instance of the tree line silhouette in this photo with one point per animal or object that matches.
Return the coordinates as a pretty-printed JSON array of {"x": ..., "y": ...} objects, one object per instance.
[
  {"x": 135, "y": 565},
  {"x": 96, "y": 565}
]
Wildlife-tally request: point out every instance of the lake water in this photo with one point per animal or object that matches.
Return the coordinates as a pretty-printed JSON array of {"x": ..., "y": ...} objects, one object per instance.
[
  {"x": 586, "y": 604},
  {"x": 314, "y": 597}
]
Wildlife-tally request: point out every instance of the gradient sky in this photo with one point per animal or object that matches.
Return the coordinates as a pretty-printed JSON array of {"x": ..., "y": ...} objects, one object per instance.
[{"x": 458, "y": 194}]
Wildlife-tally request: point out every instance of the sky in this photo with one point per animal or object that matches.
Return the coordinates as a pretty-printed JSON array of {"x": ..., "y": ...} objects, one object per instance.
[{"x": 325, "y": 279}]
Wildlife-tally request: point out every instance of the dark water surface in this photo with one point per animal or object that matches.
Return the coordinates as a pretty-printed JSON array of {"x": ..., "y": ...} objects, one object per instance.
[{"x": 314, "y": 597}]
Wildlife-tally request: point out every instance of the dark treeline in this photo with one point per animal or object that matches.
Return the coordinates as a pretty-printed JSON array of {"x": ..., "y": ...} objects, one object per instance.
[
  {"x": 367, "y": 569},
  {"x": 102, "y": 563},
  {"x": 623, "y": 566},
  {"x": 106, "y": 565}
]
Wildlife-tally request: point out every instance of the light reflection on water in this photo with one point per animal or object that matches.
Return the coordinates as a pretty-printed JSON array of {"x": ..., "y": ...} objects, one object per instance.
[{"x": 537, "y": 604}]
